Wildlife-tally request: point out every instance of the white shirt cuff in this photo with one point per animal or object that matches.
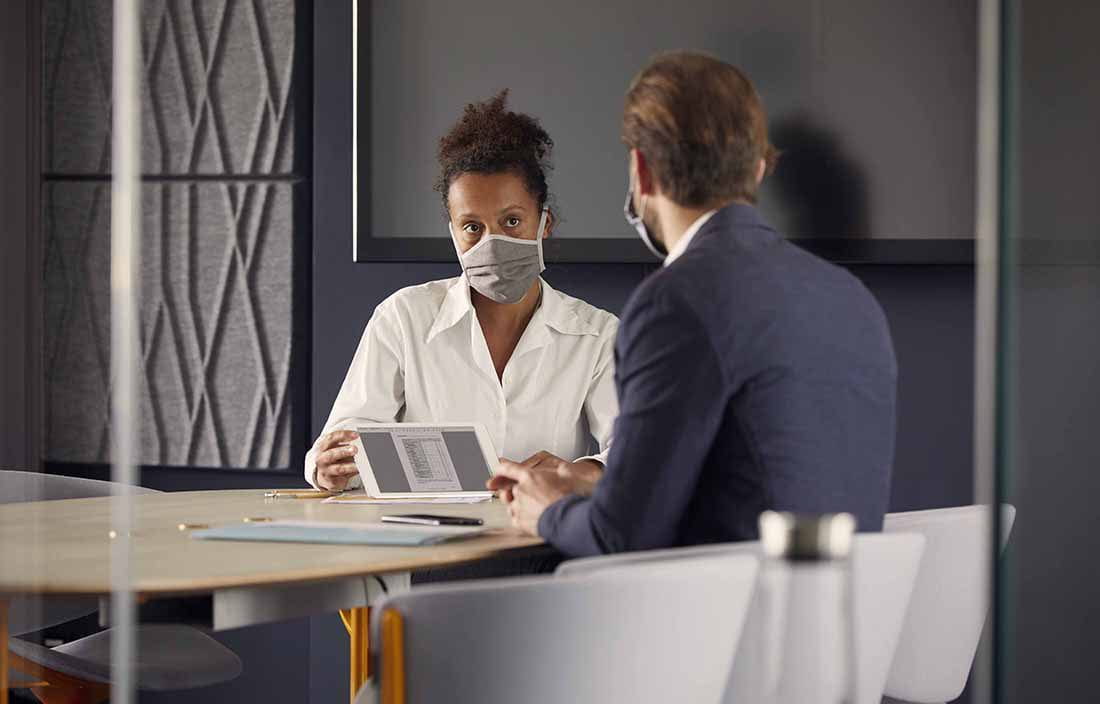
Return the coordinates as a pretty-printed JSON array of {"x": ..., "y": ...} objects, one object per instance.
[{"x": 601, "y": 458}]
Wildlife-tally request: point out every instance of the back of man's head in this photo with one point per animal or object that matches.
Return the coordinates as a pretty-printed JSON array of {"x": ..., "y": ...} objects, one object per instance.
[{"x": 701, "y": 128}]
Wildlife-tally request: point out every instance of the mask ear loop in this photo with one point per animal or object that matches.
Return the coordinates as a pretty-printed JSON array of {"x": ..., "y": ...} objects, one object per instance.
[{"x": 539, "y": 237}]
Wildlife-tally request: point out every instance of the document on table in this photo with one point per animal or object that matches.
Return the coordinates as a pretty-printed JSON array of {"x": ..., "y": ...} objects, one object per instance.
[
  {"x": 360, "y": 498},
  {"x": 293, "y": 531}
]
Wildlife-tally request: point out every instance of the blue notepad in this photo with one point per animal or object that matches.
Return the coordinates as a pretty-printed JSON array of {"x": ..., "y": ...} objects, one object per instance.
[{"x": 337, "y": 533}]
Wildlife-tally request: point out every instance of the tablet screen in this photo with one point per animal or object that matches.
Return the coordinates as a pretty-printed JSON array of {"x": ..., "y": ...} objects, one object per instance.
[{"x": 425, "y": 459}]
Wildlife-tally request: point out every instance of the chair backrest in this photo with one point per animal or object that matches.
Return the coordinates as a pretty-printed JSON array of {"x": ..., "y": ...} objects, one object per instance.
[
  {"x": 884, "y": 570},
  {"x": 29, "y": 614},
  {"x": 649, "y": 633},
  {"x": 950, "y": 601}
]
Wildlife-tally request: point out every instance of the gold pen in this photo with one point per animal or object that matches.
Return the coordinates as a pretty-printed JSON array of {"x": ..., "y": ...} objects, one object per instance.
[{"x": 300, "y": 494}]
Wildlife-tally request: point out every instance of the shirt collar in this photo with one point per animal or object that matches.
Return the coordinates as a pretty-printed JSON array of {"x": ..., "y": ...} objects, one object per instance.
[
  {"x": 456, "y": 304},
  {"x": 688, "y": 235},
  {"x": 555, "y": 312}
]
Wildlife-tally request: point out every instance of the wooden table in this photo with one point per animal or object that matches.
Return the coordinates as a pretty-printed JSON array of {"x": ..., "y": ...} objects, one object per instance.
[{"x": 62, "y": 548}]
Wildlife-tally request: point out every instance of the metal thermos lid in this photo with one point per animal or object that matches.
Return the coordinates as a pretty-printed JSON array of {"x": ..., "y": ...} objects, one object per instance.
[{"x": 793, "y": 536}]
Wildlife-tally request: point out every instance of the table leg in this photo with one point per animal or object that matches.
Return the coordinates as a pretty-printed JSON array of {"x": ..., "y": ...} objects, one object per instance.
[
  {"x": 392, "y": 666},
  {"x": 3, "y": 651},
  {"x": 357, "y": 621}
]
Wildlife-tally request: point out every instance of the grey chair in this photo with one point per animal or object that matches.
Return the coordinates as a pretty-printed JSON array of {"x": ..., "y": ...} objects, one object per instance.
[
  {"x": 169, "y": 657},
  {"x": 884, "y": 571},
  {"x": 643, "y": 634},
  {"x": 950, "y": 601}
]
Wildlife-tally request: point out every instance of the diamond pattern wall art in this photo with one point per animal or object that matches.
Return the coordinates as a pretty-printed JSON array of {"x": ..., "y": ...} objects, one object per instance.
[
  {"x": 221, "y": 208},
  {"x": 217, "y": 96}
]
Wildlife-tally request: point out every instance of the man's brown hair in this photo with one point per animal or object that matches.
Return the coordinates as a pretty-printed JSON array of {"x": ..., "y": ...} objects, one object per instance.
[{"x": 700, "y": 125}]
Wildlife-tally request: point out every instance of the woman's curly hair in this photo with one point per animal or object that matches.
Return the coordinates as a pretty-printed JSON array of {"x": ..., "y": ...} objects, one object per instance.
[{"x": 490, "y": 139}]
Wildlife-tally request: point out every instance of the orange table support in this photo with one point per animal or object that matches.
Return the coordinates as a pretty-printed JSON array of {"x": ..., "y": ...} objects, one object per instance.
[{"x": 357, "y": 622}]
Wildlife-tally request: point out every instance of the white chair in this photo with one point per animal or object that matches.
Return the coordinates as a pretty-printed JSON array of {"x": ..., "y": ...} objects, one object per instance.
[
  {"x": 949, "y": 603},
  {"x": 639, "y": 634},
  {"x": 884, "y": 570},
  {"x": 168, "y": 657}
]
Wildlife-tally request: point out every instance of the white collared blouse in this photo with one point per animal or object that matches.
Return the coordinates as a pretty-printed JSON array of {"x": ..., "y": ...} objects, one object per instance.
[{"x": 423, "y": 359}]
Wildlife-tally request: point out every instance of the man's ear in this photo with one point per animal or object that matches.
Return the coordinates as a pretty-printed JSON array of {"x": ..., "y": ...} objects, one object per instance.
[
  {"x": 550, "y": 222},
  {"x": 761, "y": 169},
  {"x": 644, "y": 177}
]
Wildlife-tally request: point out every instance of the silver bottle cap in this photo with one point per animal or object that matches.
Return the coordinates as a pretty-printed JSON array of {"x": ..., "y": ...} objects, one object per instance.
[{"x": 807, "y": 537}]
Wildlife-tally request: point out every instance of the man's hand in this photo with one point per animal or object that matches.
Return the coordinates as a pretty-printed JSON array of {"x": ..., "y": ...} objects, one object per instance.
[
  {"x": 529, "y": 487},
  {"x": 582, "y": 475},
  {"x": 336, "y": 460}
]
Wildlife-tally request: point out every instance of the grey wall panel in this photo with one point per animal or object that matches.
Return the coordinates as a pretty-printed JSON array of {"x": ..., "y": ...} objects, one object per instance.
[
  {"x": 217, "y": 95},
  {"x": 76, "y": 86},
  {"x": 219, "y": 210},
  {"x": 77, "y": 323},
  {"x": 216, "y": 323}
]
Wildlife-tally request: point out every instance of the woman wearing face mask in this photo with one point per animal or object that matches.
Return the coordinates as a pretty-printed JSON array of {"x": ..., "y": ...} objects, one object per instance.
[{"x": 496, "y": 345}]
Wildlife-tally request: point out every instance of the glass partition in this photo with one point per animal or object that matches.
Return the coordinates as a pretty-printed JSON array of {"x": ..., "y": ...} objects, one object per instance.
[
  {"x": 1048, "y": 447},
  {"x": 126, "y": 218},
  {"x": 68, "y": 535}
]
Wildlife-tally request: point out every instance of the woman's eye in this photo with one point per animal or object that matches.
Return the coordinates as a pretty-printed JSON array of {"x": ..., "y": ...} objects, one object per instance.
[
  {"x": 512, "y": 222},
  {"x": 471, "y": 227}
]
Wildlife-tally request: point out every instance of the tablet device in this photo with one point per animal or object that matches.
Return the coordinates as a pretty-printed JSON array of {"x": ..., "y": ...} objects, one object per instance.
[{"x": 424, "y": 460}]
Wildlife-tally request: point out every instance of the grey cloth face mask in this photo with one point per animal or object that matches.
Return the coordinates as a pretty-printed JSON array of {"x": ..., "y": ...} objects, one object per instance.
[{"x": 502, "y": 268}]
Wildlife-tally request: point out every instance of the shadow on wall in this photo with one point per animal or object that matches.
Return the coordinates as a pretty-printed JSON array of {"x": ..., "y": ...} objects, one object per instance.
[{"x": 820, "y": 189}]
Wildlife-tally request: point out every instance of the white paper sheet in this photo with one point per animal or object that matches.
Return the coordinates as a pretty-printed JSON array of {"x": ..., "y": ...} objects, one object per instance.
[{"x": 361, "y": 499}]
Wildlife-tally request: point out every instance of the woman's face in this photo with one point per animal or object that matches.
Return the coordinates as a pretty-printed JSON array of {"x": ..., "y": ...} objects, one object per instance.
[{"x": 492, "y": 204}]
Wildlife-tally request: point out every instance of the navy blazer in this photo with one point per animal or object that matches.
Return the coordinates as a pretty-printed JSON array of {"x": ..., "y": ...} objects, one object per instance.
[{"x": 751, "y": 375}]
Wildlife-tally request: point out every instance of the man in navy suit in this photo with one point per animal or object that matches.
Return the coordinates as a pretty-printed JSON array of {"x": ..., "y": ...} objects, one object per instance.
[{"x": 751, "y": 374}]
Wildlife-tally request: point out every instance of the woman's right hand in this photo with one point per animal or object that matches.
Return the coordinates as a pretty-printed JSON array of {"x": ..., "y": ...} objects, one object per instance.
[{"x": 336, "y": 460}]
